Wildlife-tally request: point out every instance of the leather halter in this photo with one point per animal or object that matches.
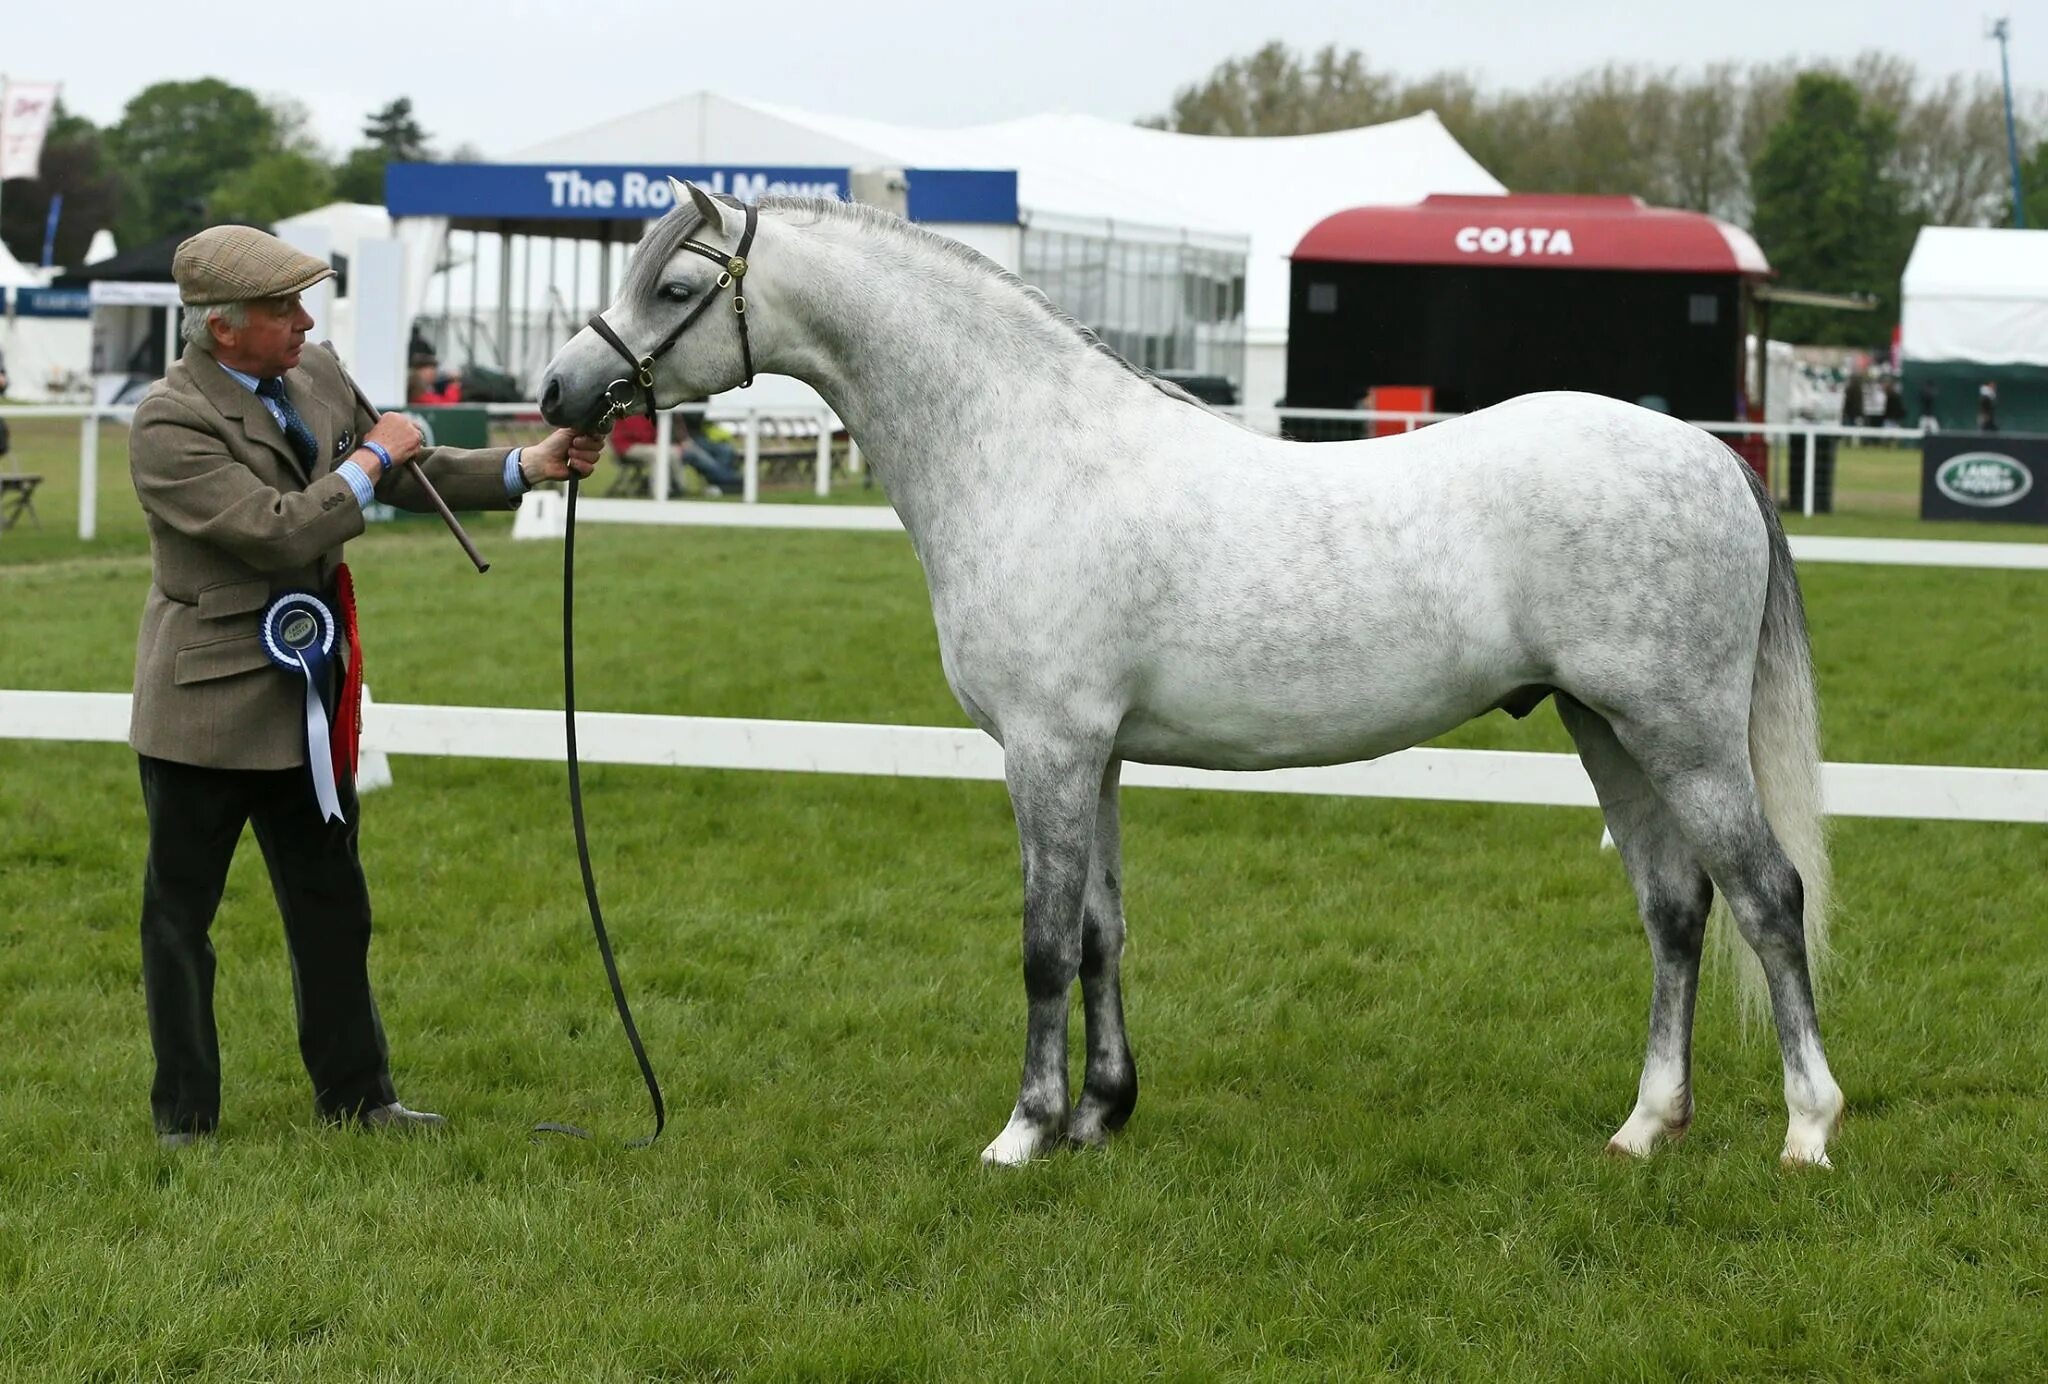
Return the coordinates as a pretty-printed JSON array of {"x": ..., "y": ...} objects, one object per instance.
[{"x": 620, "y": 393}]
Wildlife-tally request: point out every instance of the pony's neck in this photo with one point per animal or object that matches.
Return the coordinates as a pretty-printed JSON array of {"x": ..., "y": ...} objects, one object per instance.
[{"x": 934, "y": 360}]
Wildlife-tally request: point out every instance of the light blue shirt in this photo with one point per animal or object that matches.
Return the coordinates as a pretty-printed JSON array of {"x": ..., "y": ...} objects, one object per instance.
[{"x": 357, "y": 478}]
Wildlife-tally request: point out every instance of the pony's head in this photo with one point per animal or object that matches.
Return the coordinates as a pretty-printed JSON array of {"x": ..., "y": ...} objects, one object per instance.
[{"x": 681, "y": 304}]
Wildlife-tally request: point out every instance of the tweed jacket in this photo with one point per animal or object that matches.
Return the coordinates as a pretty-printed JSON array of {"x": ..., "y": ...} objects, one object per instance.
[{"x": 235, "y": 520}]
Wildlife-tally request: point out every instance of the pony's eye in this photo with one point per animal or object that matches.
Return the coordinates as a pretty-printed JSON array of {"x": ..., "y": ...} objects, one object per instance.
[{"x": 675, "y": 293}]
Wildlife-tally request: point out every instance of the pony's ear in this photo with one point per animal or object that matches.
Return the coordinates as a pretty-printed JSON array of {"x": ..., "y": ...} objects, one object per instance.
[{"x": 707, "y": 206}]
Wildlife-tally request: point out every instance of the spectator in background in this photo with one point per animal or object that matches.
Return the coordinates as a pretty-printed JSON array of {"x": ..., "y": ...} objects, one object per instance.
[
  {"x": 427, "y": 385},
  {"x": 1873, "y": 400},
  {"x": 1987, "y": 407},
  {"x": 3, "y": 373},
  {"x": 1928, "y": 421},
  {"x": 633, "y": 439}
]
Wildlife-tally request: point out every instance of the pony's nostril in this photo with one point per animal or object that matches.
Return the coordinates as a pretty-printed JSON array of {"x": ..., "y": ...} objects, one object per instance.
[{"x": 551, "y": 399}]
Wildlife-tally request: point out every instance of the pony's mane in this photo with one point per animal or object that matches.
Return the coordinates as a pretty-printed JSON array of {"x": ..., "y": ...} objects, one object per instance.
[{"x": 667, "y": 235}]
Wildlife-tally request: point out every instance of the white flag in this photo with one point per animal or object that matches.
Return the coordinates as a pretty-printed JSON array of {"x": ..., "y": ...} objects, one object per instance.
[{"x": 25, "y": 111}]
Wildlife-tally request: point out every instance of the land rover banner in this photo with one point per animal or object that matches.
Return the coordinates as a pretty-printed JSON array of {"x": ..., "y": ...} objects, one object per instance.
[{"x": 2002, "y": 477}]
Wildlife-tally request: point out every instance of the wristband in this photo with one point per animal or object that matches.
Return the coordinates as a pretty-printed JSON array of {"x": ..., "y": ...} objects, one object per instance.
[{"x": 377, "y": 449}]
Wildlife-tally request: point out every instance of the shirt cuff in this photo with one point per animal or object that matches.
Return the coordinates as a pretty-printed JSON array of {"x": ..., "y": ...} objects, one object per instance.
[
  {"x": 359, "y": 482},
  {"x": 515, "y": 479}
]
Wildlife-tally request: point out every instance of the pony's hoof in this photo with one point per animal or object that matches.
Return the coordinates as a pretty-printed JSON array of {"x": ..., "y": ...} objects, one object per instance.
[
  {"x": 1089, "y": 1128},
  {"x": 1806, "y": 1137},
  {"x": 1642, "y": 1133},
  {"x": 1793, "y": 1160},
  {"x": 1021, "y": 1141}
]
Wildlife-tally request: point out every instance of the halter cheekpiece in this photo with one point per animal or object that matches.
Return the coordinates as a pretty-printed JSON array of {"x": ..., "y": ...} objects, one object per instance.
[{"x": 620, "y": 393}]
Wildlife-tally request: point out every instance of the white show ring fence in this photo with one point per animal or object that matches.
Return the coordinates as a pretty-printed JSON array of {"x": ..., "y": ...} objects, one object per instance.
[
  {"x": 813, "y": 426},
  {"x": 829, "y": 747}
]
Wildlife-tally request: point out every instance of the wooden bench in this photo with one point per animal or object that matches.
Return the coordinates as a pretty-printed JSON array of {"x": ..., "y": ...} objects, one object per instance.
[{"x": 17, "y": 497}]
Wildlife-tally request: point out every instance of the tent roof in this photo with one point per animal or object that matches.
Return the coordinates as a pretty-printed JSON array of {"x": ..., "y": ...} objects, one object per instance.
[
  {"x": 1079, "y": 166},
  {"x": 1977, "y": 262},
  {"x": 149, "y": 263},
  {"x": 1973, "y": 293},
  {"x": 15, "y": 274},
  {"x": 1536, "y": 232}
]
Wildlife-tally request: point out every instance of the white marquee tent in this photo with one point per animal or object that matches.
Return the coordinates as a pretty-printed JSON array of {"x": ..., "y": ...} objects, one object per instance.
[
  {"x": 1073, "y": 170},
  {"x": 1978, "y": 294}
]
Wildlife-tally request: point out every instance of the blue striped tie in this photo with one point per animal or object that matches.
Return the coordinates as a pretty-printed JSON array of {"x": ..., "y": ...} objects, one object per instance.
[{"x": 295, "y": 429}]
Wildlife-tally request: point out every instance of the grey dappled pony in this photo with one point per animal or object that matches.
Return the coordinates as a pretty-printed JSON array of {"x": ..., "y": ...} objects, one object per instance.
[{"x": 1118, "y": 573}]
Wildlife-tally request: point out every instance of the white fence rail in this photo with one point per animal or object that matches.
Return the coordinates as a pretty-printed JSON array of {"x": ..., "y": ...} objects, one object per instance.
[
  {"x": 1938, "y": 792},
  {"x": 819, "y": 423},
  {"x": 545, "y": 515}
]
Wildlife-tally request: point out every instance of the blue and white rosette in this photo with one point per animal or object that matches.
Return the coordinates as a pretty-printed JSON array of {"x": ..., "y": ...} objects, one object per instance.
[{"x": 298, "y": 634}]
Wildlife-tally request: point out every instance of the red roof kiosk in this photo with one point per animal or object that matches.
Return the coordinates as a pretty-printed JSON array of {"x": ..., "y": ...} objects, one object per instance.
[{"x": 1479, "y": 299}]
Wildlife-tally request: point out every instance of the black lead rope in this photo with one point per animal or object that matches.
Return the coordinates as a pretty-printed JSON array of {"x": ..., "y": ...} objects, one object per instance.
[
  {"x": 604, "y": 942},
  {"x": 619, "y": 396}
]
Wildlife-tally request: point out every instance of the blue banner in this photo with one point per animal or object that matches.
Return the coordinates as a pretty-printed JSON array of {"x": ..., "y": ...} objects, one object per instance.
[
  {"x": 52, "y": 302},
  {"x": 983, "y": 195},
  {"x": 622, "y": 192}
]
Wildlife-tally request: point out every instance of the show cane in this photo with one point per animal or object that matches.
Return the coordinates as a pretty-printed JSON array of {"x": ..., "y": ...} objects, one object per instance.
[{"x": 440, "y": 505}]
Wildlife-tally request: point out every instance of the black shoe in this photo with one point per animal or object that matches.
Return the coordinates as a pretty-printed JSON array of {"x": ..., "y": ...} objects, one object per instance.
[{"x": 396, "y": 1117}]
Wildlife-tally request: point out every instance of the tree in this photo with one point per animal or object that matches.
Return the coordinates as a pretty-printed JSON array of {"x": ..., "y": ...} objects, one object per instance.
[
  {"x": 392, "y": 136},
  {"x": 176, "y": 141},
  {"x": 2033, "y": 190},
  {"x": 1672, "y": 138},
  {"x": 392, "y": 129},
  {"x": 1830, "y": 210},
  {"x": 74, "y": 165},
  {"x": 277, "y": 185}
]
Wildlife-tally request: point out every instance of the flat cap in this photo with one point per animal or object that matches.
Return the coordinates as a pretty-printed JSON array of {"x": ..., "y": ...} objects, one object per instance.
[{"x": 233, "y": 264}]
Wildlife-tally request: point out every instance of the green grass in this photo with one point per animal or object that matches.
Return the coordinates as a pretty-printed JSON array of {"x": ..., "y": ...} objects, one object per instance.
[{"x": 1381, "y": 1042}]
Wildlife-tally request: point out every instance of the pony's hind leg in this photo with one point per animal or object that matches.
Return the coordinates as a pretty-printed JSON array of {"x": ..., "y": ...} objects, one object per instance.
[
  {"x": 1109, "y": 1091},
  {"x": 1054, "y": 786},
  {"x": 1712, "y": 794},
  {"x": 1673, "y": 894}
]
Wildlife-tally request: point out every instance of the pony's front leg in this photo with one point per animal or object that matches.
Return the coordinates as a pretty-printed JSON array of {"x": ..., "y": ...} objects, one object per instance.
[{"x": 1053, "y": 788}]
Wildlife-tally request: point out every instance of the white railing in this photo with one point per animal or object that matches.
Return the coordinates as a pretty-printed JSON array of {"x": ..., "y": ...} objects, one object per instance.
[
  {"x": 1927, "y": 791},
  {"x": 1811, "y": 431},
  {"x": 89, "y": 416},
  {"x": 753, "y": 423}
]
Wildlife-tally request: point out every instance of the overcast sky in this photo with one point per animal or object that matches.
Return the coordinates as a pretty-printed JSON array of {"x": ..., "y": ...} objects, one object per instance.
[{"x": 504, "y": 75}]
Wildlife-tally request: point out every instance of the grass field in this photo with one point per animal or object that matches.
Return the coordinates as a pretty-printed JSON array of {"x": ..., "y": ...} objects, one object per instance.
[{"x": 1382, "y": 1043}]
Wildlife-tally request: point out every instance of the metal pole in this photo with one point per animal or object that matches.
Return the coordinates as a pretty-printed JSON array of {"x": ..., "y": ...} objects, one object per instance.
[
  {"x": 504, "y": 300},
  {"x": 88, "y": 476},
  {"x": 664, "y": 438},
  {"x": 1806, "y": 506},
  {"x": 445, "y": 341},
  {"x": 476, "y": 262},
  {"x": 2001, "y": 29},
  {"x": 824, "y": 486},
  {"x": 526, "y": 308},
  {"x": 750, "y": 489}
]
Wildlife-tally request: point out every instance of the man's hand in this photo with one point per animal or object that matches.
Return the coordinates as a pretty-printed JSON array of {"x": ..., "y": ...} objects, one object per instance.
[
  {"x": 563, "y": 454},
  {"x": 396, "y": 434}
]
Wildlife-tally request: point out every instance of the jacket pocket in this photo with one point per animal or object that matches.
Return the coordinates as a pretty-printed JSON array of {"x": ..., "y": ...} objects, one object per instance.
[
  {"x": 226, "y": 598},
  {"x": 219, "y": 658}
]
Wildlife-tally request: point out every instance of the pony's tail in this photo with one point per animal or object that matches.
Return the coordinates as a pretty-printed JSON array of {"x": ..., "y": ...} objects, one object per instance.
[{"x": 1784, "y": 755}]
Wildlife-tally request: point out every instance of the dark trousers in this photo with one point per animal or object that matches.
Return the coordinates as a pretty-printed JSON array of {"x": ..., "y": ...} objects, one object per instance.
[{"x": 195, "y": 819}]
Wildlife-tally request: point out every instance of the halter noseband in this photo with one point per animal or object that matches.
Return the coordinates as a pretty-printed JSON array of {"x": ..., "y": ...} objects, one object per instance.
[{"x": 619, "y": 394}]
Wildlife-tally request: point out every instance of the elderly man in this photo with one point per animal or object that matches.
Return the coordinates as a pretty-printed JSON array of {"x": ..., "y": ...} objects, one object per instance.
[{"x": 254, "y": 459}]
